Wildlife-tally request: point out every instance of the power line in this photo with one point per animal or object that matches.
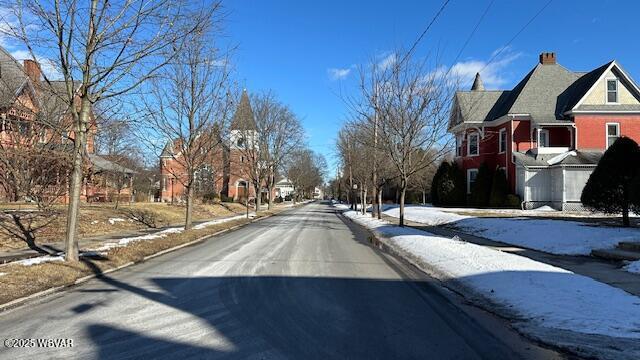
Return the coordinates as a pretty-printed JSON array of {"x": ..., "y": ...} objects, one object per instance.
[
  {"x": 433, "y": 20},
  {"x": 516, "y": 35},
  {"x": 464, "y": 46}
]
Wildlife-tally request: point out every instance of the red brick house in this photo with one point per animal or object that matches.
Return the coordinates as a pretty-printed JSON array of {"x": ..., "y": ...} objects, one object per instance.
[
  {"x": 548, "y": 132},
  {"x": 34, "y": 115},
  {"x": 226, "y": 172}
]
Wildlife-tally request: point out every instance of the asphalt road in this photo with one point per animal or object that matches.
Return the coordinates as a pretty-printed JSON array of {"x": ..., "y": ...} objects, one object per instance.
[{"x": 300, "y": 285}]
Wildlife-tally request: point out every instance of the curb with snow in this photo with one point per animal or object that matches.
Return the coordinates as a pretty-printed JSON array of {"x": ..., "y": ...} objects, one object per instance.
[{"x": 547, "y": 303}]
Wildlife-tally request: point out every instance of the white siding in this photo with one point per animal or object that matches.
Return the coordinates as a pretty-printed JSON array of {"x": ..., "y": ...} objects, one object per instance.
[
  {"x": 575, "y": 180},
  {"x": 537, "y": 185}
]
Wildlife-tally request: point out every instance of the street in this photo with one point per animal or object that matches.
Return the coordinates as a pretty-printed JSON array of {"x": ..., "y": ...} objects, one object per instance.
[{"x": 303, "y": 284}]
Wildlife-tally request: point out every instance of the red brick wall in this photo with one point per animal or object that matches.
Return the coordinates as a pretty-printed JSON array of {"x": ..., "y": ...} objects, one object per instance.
[{"x": 591, "y": 129}]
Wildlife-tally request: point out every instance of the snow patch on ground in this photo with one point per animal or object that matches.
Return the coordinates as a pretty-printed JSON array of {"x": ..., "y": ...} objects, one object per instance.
[
  {"x": 633, "y": 267},
  {"x": 220, "y": 221},
  {"x": 538, "y": 293},
  {"x": 163, "y": 233},
  {"x": 548, "y": 235},
  {"x": 112, "y": 221},
  {"x": 39, "y": 260}
]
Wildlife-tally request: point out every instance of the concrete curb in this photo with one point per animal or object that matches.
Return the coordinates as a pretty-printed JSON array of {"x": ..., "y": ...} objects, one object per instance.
[{"x": 13, "y": 304}]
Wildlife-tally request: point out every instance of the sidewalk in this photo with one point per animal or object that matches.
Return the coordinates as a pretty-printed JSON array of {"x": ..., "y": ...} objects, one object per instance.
[
  {"x": 601, "y": 270},
  {"x": 88, "y": 243}
]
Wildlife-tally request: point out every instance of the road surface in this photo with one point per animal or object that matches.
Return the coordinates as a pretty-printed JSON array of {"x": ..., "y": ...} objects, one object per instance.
[{"x": 300, "y": 285}]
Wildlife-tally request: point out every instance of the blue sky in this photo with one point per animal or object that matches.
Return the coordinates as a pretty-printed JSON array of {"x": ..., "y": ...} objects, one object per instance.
[{"x": 305, "y": 51}]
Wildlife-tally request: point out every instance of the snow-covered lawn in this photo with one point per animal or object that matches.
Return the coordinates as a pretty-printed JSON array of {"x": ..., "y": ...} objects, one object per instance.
[
  {"x": 553, "y": 236},
  {"x": 539, "y": 294}
]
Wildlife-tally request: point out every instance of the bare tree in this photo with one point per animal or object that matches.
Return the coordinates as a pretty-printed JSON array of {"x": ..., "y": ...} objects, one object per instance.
[
  {"x": 305, "y": 170},
  {"x": 280, "y": 133},
  {"x": 413, "y": 107},
  {"x": 402, "y": 110},
  {"x": 188, "y": 104},
  {"x": 101, "y": 50}
]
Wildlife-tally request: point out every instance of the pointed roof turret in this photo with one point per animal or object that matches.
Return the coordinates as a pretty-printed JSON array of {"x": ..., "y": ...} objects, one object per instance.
[
  {"x": 243, "y": 118},
  {"x": 477, "y": 83},
  {"x": 167, "y": 151}
]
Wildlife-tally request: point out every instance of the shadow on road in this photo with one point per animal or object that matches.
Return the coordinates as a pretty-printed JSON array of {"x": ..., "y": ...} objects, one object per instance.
[{"x": 302, "y": 318}]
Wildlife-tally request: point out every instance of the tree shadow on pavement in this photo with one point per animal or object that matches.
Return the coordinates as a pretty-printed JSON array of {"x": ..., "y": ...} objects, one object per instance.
[{"x": 298, "y": 318}]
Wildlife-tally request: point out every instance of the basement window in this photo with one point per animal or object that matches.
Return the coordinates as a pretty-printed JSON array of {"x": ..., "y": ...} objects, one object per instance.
[{"x": 612, "y": 91}]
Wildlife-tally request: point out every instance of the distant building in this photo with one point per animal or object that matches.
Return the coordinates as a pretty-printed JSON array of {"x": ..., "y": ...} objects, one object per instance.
[
  {"x": 226, "y": 173},
  {"x": 284, "y": 188},
  {"x": 548, "y": 132}
]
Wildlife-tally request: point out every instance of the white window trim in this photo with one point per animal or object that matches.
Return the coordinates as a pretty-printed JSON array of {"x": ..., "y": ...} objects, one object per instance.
[
  {"x": 606, "y": 133},
  {"x": 469, "y": 171},
  {"x": 546, "y": 131},
  {"x": 500, "y": 149},
  {"x": 477, "y": 135},
  {"x": 606, "y": 91}
]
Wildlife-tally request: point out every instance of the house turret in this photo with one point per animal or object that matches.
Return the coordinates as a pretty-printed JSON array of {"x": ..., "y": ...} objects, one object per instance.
[{"x": 477, "y": 83}]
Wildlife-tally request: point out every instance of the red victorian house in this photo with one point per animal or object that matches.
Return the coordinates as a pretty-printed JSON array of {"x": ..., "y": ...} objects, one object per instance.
[{"x": 548, "y": 132}]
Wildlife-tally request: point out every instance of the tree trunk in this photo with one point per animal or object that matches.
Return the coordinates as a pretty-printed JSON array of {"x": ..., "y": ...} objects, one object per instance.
[
  {"x": 256, "y": 187},
  {"x": 188, "y": 219},
  {"x": 625, "y": 215},
  {"x": 403, "y": 192},
  {"x": 374, "y": 202},
  {"x": 270, "y": 197},
  {"x": 380, "y": 204},
  {"x": 75, "y": 185},
  {"x": 424, "y": 197}
]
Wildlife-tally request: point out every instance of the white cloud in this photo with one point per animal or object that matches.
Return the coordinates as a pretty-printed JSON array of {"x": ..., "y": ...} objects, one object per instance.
[
  {"x": 492, "y": 73},
  {"x": 338, "y": 74},
  {"x": 48, "y": 67},
  {"x": 388, "y": 61}
]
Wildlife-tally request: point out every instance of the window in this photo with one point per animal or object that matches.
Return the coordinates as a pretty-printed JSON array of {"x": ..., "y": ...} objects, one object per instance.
[
  {"x": 613, "y": 133},
  {"x": 472, "y": 174},
  {"x": 502, "y": 142},
  {"x": 543, "y": 138},
  {"x": 612, "y": 90},
  {"x": 458, "y": 145},
  {"x": 472, "y": 144},
  {"x": 164, "y": 183},
  {"x": 240, "y": 142}
]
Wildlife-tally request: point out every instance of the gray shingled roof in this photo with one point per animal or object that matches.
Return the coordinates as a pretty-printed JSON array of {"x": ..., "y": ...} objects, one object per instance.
[
  {"x": 530, "y": 159},
  {"x": 243, "y": 118},
  {"x": 545, "y": 93},
  {"x": 101, "y": 164},
  {"x": 477, "y": 106},
  {"x": 12, "y": 77}
]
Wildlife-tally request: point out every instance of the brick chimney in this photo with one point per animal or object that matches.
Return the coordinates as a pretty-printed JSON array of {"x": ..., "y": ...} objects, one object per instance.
[
  {"x": 547, "y": 58},
  {"x": 32, "y": 69}
]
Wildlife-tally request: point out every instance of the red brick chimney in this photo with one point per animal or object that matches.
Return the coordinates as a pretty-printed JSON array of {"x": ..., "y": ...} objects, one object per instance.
[
  {"x": 547, "y": 58},
  {"x": 32, "y": 69}
]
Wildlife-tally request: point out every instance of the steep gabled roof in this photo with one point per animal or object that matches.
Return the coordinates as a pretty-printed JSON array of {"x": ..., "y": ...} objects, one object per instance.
[
  {"x": 546, "y": 93},
  {"x": 12, "y": 77},
  {"x": 578, "y": 89},
  {"x": 243, "y": 119}
]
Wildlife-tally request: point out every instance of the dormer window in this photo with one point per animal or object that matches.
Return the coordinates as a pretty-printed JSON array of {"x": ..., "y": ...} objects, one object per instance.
[
  {"x": 612, "y": 91},
  {"x": 240, "y": 142}
]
